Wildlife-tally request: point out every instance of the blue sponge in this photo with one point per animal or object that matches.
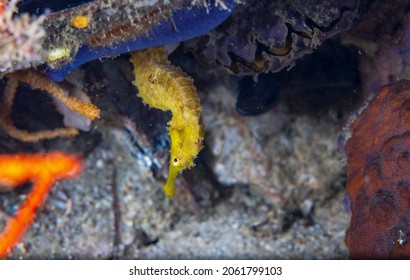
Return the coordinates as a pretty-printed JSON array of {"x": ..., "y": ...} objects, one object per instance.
[{"x": 186, "y": 23}]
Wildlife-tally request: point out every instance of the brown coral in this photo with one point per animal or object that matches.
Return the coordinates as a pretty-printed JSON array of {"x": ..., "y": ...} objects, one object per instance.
[
  {"x": 38, "y": 81},
  {"x": 378, "y": 155},
  {"x": 41, "y": 82}
]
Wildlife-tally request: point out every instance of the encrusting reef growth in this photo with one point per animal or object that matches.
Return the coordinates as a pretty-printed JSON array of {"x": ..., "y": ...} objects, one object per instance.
[
  {"x": 78, "y": 53},
  {"x": 378, "y": 176}
]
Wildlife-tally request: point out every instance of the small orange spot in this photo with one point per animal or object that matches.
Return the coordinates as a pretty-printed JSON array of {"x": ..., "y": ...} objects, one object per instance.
[{"x": 80, "y": 22}]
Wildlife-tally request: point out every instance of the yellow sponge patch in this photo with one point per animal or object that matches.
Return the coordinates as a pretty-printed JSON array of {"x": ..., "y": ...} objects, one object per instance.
[{"x": 80, "y": 22}]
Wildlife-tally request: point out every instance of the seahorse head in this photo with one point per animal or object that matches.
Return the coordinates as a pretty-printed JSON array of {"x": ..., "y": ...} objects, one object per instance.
[
  {"x": 180, "y": 159},
  {"x": 186, "y": 142},
  {"x": 172, "y": 174}
]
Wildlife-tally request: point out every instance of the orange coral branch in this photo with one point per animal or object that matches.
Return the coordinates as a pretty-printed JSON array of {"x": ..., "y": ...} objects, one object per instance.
[
  {"x": 3, "y": 6},
  {"x": 39, "y": 81},
  {"x": 7, "y": 124},
  {"x": 41, "y": 169}
]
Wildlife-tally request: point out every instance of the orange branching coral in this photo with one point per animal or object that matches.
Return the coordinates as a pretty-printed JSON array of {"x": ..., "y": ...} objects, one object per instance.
[
  {"x": 3, "y": 6},
  {"x": 378, "y": 158},
  {"x": 41, "y": 169},
  {"x": 38, "y": 81}
]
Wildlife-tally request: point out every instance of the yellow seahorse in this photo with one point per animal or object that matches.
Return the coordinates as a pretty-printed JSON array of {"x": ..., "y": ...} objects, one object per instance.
[{"x": 166, "y": 87}]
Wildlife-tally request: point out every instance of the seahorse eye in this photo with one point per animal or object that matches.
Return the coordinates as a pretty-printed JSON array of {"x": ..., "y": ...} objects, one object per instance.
[{"x": 175, "y": 161}]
